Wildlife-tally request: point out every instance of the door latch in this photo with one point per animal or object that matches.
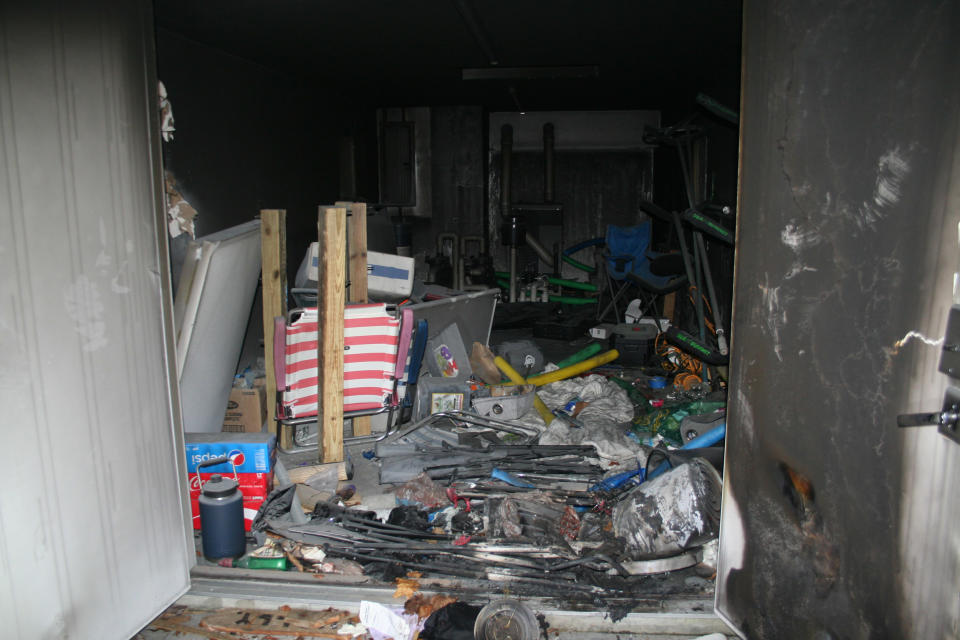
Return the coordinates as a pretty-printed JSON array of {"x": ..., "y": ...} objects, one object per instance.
[
  {"x": 947, "y": 420},
  {"x": 950, "y": 352}
]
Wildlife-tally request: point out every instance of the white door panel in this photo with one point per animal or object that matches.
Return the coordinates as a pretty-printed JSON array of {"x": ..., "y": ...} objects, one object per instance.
[{"x": 92, "y": 538}]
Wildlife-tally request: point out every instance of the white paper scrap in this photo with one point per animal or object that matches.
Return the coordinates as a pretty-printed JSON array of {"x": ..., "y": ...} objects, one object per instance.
[
  {"x": 351, "y": 630},
  {"x": 376, "y": 617}
]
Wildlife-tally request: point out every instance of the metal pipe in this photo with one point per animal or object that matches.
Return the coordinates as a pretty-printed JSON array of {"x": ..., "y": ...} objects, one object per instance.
[
  {"x": 531, "y": 433},
  {"x": 687, "y": 179},
  {"x": 513, "y": 273},
  {"x": 506, "y": 157},
  {"x": 548, "y": 144},
  {"x": 470, "y": 18},
  {"x": 698, "y": 302},
  {"x": 684, "y": 251},
  {"x": 712, "y": 294},
  {"x": 539, "y": 249}
]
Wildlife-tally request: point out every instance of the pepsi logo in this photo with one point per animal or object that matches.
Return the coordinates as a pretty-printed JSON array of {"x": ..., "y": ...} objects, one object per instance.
[{"x": 236, "y": 456}]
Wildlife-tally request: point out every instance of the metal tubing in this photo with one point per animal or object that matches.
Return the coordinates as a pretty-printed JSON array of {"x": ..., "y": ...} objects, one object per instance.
[
  {"x": 588, "y": 559},
  {"x": 470, "y": 18},
  {"x": 513, "y": 273},
  {"x": 548, "y": 145},
  {"x": 687, "y": 182},
  {"x": 711, "y": 293},
  {"x": 684, "y": 251},
  {"x": 539, "y": 249},
  {"x": 506, "y": 160},
  {"x": 506, "y": 157},
  {"x": 698, "y": 301},
  {"x": 469, "y": 418}
]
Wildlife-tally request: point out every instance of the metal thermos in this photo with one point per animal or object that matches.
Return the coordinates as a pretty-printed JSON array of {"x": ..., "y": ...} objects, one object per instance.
[{"x": 221, "y": 514}]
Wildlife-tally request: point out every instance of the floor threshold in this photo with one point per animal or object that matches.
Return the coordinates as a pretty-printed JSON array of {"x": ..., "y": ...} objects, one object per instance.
[{"x": 217, "y": 587}]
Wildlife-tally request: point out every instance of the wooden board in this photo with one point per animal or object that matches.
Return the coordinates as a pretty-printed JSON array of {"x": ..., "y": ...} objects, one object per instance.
[
  {"x": 331, "y": 298},
  {"x": 292, "y": 622},
  {"x": 187, "y": 629},
  {"x": 669, "y": 304},
  {"x": 273, "y": 248},
  {"x": 357, "y": 266},
  {"x": 299, "y": 475}
]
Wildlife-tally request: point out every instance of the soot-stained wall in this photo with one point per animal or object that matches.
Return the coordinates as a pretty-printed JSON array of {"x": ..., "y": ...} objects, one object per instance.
[
  {"x": 837, "y": 523},
  {"x": 249, "y": 137}
]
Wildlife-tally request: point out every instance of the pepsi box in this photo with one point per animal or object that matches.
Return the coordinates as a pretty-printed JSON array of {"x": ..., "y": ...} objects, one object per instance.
[
  {"x": 250, "y": 452},
  {"x": 255, "y": 488},
  {"x": 251, "y": 504}
]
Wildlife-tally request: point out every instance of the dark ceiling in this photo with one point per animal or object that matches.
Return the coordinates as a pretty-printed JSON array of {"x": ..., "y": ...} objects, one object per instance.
[{"x": 651, "y": 54}]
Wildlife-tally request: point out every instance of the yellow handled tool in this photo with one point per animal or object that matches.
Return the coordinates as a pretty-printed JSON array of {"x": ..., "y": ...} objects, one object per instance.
[{"x": 516, "y": 378}]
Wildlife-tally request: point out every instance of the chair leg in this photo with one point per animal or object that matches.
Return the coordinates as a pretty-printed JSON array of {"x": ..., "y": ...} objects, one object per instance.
[{"x": 616, "y": 293}]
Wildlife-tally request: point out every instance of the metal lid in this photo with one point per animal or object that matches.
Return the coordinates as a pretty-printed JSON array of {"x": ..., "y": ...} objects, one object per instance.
[
  {"x": 506, "y": 618},
  {"x": 218, "y": 486},
  {"x": 658, "y": 382}
]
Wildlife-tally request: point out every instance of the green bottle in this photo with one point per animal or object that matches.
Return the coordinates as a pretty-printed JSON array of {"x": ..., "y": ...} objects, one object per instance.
[{"x": 253, "y": 562}]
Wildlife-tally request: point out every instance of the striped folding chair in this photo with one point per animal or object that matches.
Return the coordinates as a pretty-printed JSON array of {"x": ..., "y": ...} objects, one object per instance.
[{"x": 376, "y": 347}]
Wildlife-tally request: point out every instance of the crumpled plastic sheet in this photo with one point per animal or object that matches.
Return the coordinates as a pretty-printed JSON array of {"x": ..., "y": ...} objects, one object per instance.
[
  {"x": 453, "y": 622},
  {"x": 675, "y": 511},
  {"x": 281, "y": 506},
  {"x": 409, "y": 516},
  {"x": 606, "y": 418}
]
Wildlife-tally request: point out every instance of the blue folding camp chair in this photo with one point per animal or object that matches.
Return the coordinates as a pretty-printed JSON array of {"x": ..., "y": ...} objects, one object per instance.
[{"x": 632, "y": 267}]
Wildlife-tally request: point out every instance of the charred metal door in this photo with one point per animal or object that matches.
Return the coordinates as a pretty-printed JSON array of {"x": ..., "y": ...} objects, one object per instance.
[
  {"x": 837, "y": 524},
  {"x": 93, "y": 538}
]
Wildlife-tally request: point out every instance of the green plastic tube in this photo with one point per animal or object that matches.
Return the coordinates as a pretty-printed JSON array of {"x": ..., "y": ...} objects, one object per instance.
[
  {"x": 573, "y": 284},
  {"x": 578, "y": 264},
  {"x": 572, "y": 300},
  {"x": 570, "y": 284},
  {"x": 581, "y": 355}
]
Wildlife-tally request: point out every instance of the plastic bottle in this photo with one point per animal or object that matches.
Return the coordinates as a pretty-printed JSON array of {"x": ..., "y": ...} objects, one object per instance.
[{"x": 253, "y": 562}]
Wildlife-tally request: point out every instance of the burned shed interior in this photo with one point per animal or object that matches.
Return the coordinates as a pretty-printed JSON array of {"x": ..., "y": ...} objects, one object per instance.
[
  {"x": 479, "y": 319},
  {"x": 560, "y": 182}
]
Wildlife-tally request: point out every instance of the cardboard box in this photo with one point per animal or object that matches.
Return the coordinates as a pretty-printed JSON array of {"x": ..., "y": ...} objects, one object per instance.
[
  {"x": 389, "y": 276},
  {"x": 253, "y": 484},
  {"x": 251, "y": 505},
  {"x": 250, "y": 452},
  {"x": 246, "y": 410}
]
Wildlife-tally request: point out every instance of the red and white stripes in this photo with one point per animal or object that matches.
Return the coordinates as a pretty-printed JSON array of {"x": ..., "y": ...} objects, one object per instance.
[{"x": 369, "y": 359}]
